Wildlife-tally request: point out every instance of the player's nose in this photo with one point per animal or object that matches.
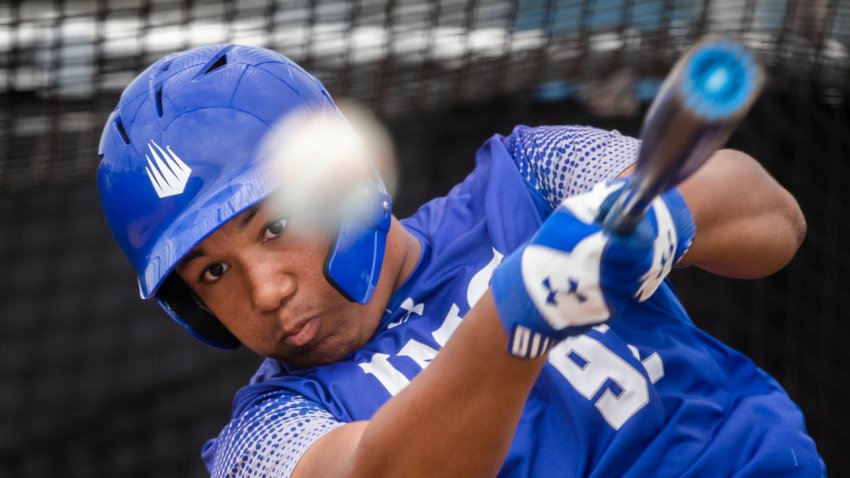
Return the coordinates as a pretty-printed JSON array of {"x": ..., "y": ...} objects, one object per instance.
[{"x": 269, "y": 288}]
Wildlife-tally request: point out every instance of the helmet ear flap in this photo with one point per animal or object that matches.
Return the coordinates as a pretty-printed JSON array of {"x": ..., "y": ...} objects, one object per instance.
[
  {"x": 187, "y": 309},
  {"x": 354, "y": 260}
]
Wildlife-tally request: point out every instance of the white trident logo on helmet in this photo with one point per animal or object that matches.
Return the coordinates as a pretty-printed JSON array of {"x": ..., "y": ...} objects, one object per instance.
[{"x": 167, "y": 172}]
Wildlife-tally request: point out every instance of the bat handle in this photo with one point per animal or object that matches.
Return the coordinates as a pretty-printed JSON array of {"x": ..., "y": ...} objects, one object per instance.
[{"x": 627, "y": 211}]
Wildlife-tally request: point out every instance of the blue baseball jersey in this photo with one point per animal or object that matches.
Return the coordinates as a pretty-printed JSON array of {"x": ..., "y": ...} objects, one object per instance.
[{"x": 646, "y": 394}]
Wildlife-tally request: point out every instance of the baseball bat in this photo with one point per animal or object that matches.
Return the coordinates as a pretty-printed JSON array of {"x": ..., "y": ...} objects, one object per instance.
[{"x": 707, "y": 93}]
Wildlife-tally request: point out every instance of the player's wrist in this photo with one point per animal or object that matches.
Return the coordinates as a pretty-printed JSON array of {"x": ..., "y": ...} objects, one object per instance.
[
  {"x": 673, "y": 228},
  {"x": 683, "y": 221}
]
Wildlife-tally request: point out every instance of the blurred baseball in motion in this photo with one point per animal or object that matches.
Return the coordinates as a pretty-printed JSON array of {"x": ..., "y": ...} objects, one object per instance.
[{"x": 325, "y": 163}]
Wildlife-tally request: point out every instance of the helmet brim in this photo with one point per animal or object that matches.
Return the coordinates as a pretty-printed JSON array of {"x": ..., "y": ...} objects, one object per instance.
[{"x": 205, "y": 216}]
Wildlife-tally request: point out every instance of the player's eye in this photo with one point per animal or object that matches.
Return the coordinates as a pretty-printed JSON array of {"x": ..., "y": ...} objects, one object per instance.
[
  {"x": 274, "y": 229},
  {"x": 214, "y": 272}
]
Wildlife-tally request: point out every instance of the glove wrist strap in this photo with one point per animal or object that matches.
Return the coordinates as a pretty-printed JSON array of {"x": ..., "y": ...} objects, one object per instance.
[{"x": 529, "y": 335}]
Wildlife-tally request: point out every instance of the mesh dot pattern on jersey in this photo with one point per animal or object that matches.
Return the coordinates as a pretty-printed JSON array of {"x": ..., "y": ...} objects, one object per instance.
[
  {"x": 268, "y": 439},
  {"x": 561, "y": 161}
]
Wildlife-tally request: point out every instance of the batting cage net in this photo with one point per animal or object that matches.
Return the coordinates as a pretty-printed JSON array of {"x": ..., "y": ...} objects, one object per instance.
[{"x": 94, "y": 382}]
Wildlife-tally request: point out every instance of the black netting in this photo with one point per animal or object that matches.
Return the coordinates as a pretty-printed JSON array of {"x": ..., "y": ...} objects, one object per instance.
[
  {"x": 96, "y": 383},
  {"x": 63, "y": 62}
]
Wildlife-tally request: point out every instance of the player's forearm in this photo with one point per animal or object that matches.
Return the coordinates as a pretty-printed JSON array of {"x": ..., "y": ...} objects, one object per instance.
[
  {"x": 457, "y": 418},
  {"x": 747, "y": 225}
]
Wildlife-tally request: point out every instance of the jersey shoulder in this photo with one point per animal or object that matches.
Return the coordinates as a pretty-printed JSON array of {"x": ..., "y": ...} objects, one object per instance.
[
  {"x": 267, "y": 437},
  {"x": 565, "y": 160}
]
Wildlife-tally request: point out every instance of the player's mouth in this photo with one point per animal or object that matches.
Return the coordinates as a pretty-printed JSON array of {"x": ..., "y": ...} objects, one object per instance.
[{"x": 303, "y": 333}]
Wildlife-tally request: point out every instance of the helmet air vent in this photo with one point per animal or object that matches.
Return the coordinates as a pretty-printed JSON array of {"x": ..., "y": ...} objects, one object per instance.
[
  {"x": 119, "y": 125},
  {"x": 158, "y": 102},
  {"x": 216, "y": 61},
  {"x": 222, "y": 60},
  {"x": 156, "y": 81}
]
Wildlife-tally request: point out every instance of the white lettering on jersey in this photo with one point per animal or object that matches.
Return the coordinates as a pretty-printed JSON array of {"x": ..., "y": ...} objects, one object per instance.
[
  {"x": 652, "y": 363},
  {"x": 419, "y": 352},
  {"x": 380, "y": 367},
  {"x": 390, "y": 377},
  {"x": 589, "y": 365},
  {"x": 450, "y": 323},
  {"x": 480, "y": 282}
]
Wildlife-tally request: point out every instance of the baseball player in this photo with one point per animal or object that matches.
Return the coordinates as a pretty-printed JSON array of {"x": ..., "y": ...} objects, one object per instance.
[{"x": 498, "y": 331}]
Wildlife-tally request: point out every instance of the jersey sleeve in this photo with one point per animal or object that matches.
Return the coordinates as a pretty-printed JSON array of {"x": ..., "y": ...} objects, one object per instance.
[
  {"x": 268, "y": 438},
  {"x": 560, "y": 161}
]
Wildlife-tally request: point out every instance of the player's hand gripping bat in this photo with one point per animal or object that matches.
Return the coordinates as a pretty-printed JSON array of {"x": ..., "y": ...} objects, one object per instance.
[{"x": 710, "y": 89}]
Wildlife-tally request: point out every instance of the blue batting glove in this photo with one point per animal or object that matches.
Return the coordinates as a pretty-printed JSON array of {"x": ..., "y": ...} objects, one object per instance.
[{"x": 573, "y": 275}]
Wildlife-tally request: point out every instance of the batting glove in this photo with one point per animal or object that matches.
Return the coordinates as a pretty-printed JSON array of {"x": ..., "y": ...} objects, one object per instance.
[{"x": 573, "y": 275}]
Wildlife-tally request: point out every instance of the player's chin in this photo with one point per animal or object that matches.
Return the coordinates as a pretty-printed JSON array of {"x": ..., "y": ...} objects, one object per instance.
[{"x": 327, "y": 350}]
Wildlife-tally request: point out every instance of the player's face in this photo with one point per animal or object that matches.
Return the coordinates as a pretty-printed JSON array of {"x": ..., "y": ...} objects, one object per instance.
[{"x": 265, "y": 283}]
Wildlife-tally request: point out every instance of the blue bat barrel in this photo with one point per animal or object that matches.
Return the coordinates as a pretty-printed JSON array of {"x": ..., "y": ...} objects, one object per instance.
[{"x": 710, "y": 89}]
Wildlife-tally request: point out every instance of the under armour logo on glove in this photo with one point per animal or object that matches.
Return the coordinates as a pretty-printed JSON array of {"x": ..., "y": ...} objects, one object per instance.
[
  {"x": 571, "y": 290},
  {"x": 557, "y": 268}
]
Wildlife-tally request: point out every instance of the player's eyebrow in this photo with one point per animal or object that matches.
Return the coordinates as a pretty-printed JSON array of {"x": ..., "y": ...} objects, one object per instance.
[
  {"x": 249, "y": 214},
  {"x": 194, "y": 254},
  {"x": 199, "y": 252}
]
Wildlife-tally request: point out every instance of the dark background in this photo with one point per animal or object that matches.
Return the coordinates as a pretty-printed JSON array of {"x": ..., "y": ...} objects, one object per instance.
[{"x": 94, "y": 382}]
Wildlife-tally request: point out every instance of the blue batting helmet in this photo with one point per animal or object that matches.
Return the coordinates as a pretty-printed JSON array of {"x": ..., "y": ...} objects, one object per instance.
[{"x": 181, "y": 156}]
